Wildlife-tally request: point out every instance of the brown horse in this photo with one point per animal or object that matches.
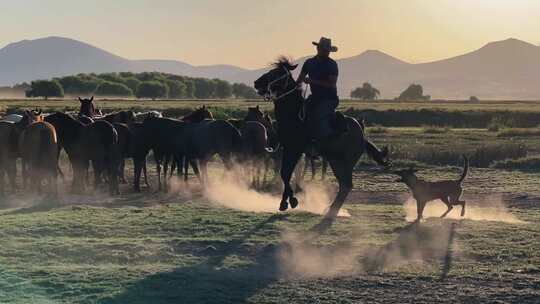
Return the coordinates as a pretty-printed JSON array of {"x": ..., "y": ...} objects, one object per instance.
[
  {"x": 198, "y": 115},
  {"x": 88, "y": 110},
  {"x": 95, "y": 142},
  {"x": 255, "y": 151},
  {"x": 9, "y": 152},
  {"x": 38, "y": 146},
  {"x": 9, "y": 147},
  {"x": 342, "y": 151}
]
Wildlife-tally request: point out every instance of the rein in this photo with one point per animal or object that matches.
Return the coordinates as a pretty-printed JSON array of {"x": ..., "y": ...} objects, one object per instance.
[{"x": 272, "y": 95}]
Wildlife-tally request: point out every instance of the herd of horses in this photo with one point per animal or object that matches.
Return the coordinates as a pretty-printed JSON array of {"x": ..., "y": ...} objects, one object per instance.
[{"x": 104, "y": 142}]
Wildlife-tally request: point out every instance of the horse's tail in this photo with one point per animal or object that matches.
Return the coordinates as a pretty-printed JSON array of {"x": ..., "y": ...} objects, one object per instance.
[
  {"x": 465, "y": 169},
  {"x": 46, "y": 138},
  {"x": 236, "y": 138},
  {"x": 377, "y": 155}
]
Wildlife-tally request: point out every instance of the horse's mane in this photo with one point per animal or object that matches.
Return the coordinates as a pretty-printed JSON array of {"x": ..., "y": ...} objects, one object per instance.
[{"x": 283, "y": 61}]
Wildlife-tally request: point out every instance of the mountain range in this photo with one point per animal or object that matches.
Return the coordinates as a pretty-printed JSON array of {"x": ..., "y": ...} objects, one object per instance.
[{"x": 507, "y": 69}]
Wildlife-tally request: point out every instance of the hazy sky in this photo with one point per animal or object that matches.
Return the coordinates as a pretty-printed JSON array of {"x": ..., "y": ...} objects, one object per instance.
[{"x": 250, "y": 33}]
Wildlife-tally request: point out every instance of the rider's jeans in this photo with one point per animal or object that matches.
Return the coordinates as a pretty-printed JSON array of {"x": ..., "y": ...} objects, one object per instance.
[{"x": 319, "y": 113}]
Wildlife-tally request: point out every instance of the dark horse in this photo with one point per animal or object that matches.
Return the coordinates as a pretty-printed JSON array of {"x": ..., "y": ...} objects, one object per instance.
[
  {"x": 156, "y": 134},
  {"x": 88, "y": 110},
  {"x": 202, "y": 140},
  {"x": 96, "y": 142},
  {"x": 342, "y": 152}
]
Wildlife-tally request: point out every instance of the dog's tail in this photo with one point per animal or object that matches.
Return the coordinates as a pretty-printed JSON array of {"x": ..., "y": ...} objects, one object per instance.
[{"x": 465, "y": 168}]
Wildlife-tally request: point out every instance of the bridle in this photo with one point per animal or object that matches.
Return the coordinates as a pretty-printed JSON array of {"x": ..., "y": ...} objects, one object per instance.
[{"x": 270, "y": 95}]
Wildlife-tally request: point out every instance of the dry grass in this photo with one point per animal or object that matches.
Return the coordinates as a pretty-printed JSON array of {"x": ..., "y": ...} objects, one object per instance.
[{"x": 513, "y": 132}]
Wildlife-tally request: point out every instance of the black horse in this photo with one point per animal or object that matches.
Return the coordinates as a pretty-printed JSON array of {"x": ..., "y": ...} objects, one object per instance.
[
  {"x": 88, "y": 110},
  {"x": 96, "y": 143},
  {"x": 157, "y": 134},
  {"x": 202, "y": 140},
  {"x": 342, "y": 152}
]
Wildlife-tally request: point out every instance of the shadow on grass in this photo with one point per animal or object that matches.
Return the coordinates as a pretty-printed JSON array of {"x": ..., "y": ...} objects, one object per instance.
[
  {"x": 44, "y": 204},
  {"x": 415, "y": 241},
  {"x": 211, "y": 281}
]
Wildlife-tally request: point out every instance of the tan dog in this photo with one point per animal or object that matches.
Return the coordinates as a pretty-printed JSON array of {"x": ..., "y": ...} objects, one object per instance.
[{"x": 448, "y": 192}]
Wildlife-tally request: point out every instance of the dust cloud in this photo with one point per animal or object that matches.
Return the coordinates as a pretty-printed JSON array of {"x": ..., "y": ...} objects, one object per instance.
[
  {"x": 494, "y": 210},
  {"x": 233, "y": 191},
  {"x": 300, "y": 257}
]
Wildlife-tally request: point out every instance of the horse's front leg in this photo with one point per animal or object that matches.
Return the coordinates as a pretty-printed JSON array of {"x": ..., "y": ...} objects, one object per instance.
[{"x": 288, "y": 164}]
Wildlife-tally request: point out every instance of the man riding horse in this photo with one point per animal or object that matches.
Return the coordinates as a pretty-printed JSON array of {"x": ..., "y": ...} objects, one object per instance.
[
  {"x": 321, "y": 74},
  {"x": 341, "y": 139}
]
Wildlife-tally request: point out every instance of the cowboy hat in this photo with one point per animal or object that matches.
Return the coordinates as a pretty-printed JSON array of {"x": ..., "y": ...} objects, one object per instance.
[{"x": 326, "y": 44}]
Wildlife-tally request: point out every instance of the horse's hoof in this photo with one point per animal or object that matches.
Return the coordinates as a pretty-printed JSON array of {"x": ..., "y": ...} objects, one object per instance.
[
  {"x": 283, "y": 206},
  {"x": 294, "y": 202}
]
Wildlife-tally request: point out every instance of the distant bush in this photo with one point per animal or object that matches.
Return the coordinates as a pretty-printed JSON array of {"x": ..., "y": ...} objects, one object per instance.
[
  {"x": 132, "y": 83},
  {"x": 222, "y": 89},
  {"x": 240, "y": 90},
  {"x": 435, "y": 129},
  {"x": 474, "y": 99},
  {"x": 366, "y": 92},
  {"x": 177, "y": 86},
  {"x": 108, "y": 88},
  {"x": 79, "y": 85},
  {"x": 45, "y": 89},
  {"x": 152, "y": 89},
  {"x": 524, "y": 164},
  {"x": 204, "y": 88},
  {"x": 413, "y": 92},
  {"x": 177, "y": 89}
]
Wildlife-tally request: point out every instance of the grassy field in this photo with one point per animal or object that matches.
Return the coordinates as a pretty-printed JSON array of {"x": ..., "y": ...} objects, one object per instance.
[
  {"x": 228, "y": 245},
  {"x": 113, "y": 104},
  {"x": 180, "y": 248},
  {"x": 455, "y": 114}
]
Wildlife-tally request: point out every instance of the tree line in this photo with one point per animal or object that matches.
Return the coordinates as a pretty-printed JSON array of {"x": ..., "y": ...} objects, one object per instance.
[
  {"x": 412, "y": 93},
  {"x": 151, "y": 85},
  {"x": 369, "y": 92}
]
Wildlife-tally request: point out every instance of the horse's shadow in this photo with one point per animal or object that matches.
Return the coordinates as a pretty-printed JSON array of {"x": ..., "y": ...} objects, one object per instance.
[
  {"x": 415, "y": 242},
  {"x": 211, "y": 281}
]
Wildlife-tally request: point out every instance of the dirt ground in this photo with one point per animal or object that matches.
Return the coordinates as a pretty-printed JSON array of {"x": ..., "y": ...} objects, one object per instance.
[{"x": 230, "y": 245}]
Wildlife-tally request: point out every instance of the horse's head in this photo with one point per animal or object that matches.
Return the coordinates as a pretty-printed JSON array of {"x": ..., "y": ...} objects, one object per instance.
[
  {"x": 199, "y": 115},
  {"x": 87, "y": 107},
  {"x": 276, "y": 81}
]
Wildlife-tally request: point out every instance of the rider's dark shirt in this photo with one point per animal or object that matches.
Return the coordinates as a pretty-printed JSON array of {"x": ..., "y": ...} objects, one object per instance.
[{"x": 321, "y": 69}]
